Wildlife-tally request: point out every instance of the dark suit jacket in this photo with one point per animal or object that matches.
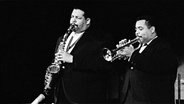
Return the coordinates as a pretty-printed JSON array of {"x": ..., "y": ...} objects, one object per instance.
[
  {"x": 85, "y": 80},
  {"x": 153, "y": 75}
]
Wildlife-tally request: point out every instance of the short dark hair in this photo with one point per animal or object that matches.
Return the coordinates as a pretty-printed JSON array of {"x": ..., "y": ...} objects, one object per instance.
[
  {"x": 150, "y": 20},
  {"x": 85, "y": 8}
]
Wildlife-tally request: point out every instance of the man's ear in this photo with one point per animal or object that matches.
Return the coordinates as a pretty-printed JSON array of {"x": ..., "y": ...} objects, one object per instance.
[
  {"x": 88, "y": 20},
  {"x": 152, "y": 29}
]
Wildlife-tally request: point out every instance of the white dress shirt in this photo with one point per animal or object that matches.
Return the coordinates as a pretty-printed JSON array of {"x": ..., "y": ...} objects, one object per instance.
[
  {"x": 76, "y": 37},
  {"x": 146, "y": 44}
]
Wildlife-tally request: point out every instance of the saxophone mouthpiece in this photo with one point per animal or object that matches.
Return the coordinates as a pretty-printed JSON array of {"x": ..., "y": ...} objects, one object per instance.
[{"x": 72, "y": 27}]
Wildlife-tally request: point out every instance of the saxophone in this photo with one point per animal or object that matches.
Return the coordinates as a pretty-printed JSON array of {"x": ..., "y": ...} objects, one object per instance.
[{"x": 54, "y": 68}]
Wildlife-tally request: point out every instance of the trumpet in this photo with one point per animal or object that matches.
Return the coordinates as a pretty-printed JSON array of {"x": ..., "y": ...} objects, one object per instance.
[{"x": 111, "y": 55}]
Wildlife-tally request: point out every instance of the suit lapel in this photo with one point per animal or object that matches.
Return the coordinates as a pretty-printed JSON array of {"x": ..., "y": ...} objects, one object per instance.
[
  {"x": 80, "y": 43},
  {"x": 150, "y": 46},
  {"x": 146, "y": 51}
]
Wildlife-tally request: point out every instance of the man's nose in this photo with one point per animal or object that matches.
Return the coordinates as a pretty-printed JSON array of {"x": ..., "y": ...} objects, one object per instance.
[
  {"x": 137, "y": 33},
  {"x": 74, "y": 20}
]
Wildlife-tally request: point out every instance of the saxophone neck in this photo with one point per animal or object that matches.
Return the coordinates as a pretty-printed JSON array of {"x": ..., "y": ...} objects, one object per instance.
[{"x": 66, "y": 35}]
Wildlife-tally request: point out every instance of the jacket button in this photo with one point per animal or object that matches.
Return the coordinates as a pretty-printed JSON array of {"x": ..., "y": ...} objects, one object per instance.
[{"x": 131, "y": 67}]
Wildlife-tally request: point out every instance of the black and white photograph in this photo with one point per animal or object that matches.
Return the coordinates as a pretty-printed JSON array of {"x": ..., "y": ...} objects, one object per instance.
[{"x": 92, "y": 51}]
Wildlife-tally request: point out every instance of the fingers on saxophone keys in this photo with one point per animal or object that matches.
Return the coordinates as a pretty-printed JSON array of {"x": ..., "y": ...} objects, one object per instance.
[
  {"x": 58, "y": 58},
  {"x": 58, "y": 54}
]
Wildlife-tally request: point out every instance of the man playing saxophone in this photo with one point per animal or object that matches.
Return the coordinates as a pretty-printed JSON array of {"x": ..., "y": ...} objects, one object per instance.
[
  {"x": 83, "y": 81},
  {"x": 82, "y": 76}
]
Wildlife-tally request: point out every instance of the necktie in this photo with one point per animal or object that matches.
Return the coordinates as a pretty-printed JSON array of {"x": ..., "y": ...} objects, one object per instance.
[
  {"x": 142, "y": 48},
  {"x": 69, "y": 43}
]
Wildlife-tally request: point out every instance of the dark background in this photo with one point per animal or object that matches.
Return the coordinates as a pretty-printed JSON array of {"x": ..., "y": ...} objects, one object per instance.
[{"x": 29, "y": 30}]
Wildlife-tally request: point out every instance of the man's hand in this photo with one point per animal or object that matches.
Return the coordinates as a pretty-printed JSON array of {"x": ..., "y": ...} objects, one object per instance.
[
  {"x": 125, "y": 51},
  {"x": 121, "y": 43},
  {"x": 64, "y": 56}
]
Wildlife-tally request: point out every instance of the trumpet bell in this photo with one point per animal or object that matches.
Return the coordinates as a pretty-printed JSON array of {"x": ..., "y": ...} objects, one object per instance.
[
  {"x": 107, "y": 54},
  {"x": 112, "y": 55}
]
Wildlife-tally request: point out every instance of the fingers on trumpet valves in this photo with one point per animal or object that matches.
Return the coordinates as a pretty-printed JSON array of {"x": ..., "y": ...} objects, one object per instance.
[{"x": 121, "y": 43}]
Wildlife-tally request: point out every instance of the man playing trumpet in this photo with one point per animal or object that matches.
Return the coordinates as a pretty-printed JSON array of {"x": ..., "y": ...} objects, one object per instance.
[{"x": 152, "y": 72}]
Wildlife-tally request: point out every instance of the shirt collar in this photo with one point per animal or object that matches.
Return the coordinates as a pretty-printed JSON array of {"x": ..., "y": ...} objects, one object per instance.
[{"x": 150, "y": 41}]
